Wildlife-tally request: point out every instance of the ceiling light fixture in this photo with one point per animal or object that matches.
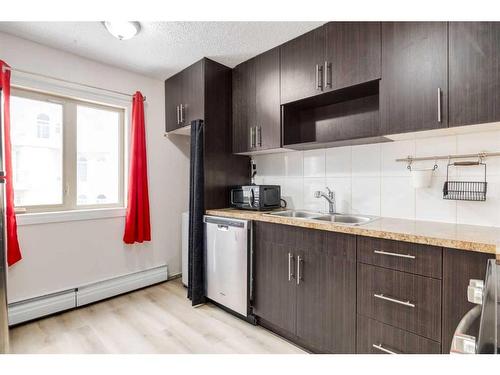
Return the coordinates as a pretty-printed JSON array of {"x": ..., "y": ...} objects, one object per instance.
[{"x": 123, "y": 30}]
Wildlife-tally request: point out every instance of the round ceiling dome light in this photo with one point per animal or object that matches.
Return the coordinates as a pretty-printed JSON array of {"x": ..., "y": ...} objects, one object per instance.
[{"x": 123, "y": 30}]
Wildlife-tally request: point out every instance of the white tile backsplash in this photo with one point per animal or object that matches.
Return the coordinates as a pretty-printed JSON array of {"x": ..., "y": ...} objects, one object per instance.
[
  {"x": 338, "y": 162},
  {"x": 314, "y": 163},
  {"x": 366, "y": 195},
  {"x": 366, "y": 160},
  {"x": 397, "y": 197},
  {"x": 367, "y": 180}
]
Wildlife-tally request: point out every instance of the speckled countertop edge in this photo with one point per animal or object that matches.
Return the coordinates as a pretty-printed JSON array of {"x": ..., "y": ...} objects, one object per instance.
[{"x": 457, "y": 236}]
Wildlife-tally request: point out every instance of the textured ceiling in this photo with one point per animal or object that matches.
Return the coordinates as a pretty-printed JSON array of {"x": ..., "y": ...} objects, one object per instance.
[{"x": 162, "y": 49}]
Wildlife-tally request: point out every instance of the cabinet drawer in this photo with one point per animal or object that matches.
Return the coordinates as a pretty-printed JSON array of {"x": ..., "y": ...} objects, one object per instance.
[
  {"x": 377, "y": 338},
  {"x": 403, "y": 256},
  {"x": 403, "y": 300}
]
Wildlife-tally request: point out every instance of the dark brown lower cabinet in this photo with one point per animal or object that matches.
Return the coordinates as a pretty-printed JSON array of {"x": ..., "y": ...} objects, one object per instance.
[
  {"x": 305, "y": 286},
  {"x": 275, "y": 294},
  {"x": 400, "y": 299},
  {"x": 374, "y": 337},
  {"x": 309, "y": 288}
]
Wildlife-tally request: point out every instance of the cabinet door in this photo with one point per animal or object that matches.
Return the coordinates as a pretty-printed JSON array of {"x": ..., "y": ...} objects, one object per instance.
[
  {"x": 243, "y": 105},
  {"x": 300, "y": 59},
  {"x": 326, "y": 294},
  {"x": 474, "y": 72},
  {"x": 173, "y": 95},
  {"x": 352, "y": 52},
  {"x": 267, "y": 85},
  {"x": 193, "y": 93},
  {"x": 275, "y": 284},
  {"x": 414, "y": 85}
]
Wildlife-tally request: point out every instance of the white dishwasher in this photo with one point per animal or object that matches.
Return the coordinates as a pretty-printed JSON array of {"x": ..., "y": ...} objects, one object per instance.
[{"x": 228, "y": 263}]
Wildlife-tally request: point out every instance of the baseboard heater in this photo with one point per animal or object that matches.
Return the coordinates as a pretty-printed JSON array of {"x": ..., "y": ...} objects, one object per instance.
[{"x": 38, "y": 307}]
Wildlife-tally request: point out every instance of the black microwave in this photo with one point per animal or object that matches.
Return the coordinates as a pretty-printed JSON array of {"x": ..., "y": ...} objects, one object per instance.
[{"x": 256, "y": 197}]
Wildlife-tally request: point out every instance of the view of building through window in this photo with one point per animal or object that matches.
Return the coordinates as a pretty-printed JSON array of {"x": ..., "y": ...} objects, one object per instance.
[
  {"x": 37, "y": 151},
  {"x": 41, "y": 179}
]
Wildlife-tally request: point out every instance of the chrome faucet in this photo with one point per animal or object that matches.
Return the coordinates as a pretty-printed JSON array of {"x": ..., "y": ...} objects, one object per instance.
[{"x": 329, "y": 196}]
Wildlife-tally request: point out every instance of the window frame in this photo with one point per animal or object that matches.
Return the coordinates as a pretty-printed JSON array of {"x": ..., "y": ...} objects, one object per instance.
[{"x": 69, "y": 181}]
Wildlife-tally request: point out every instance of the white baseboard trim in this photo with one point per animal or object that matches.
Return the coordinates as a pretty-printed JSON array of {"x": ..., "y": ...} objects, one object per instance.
[
  {"x": 113, "y": 287},
  {"x": 38, "y": 307}
]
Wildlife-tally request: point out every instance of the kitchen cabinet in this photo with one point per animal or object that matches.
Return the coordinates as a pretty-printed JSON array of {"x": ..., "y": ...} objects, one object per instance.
[
  {"x": 267, "y": 87},
  {"x": 256, "y": 104},
  {"x": 185, "y": 96},
  {"x": 334, "y": 56},
  {"x": 173, "y": 96},
  {"x": 414, "y": 84},
  {"x": 275, "y": 286},
  {"x": 374, "y": 337},
  {"x": 352, "y": 54},
  {"x": 244, "y": 106},
  {"x": 326, "y": 307},
  {"x": 402, "y": 300},
  {"x": 302, "y": 61},
  {"x": 305, "y": 285},
  {"x": 204, "y": 91},
  {"x": 474, "y": 78}
]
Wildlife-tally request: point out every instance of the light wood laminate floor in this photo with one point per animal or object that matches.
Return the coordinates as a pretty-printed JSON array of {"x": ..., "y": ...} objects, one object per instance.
[{"x": 158, "y": 319}]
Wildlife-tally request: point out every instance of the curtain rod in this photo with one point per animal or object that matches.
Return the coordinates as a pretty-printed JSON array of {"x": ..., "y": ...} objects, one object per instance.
[{"x": 67, "y": 81}]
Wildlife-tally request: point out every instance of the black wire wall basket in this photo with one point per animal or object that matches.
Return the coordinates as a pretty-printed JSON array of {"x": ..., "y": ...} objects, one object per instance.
[{"x": 465, "y": 190}]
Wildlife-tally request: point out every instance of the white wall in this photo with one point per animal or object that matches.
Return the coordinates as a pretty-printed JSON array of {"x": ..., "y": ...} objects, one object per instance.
[
  {"x": 366, "y": 179},
  {"x": 58, "y": 256}
]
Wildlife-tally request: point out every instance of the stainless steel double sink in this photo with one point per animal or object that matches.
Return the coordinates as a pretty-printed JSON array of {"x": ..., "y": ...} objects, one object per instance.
[{"x": 333, "y": 218}]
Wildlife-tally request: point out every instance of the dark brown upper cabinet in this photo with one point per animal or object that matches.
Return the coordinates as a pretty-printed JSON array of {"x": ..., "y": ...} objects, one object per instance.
[
  {"x": 256, "y": 103},
  {"x": 474, "y": 72},
  {"x": 334, "y": 56},
  {"x": 267, "y": 86},
  {"x": 352, "y": 54},
  {"x": 302, "y": 61},
  {"x": 414, "y": 84},
  {"x": 185, "y": 97},
  {"x": 244, "y": 103}
]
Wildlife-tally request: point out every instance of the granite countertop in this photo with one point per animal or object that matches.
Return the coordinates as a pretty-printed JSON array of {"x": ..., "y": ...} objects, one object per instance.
[{"x": 457, "y": 236}]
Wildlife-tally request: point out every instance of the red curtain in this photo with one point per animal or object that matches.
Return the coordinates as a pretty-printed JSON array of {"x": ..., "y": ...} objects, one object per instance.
[
  {"x": 137, "y": 223},
  {"x": 13, "y": 250}
]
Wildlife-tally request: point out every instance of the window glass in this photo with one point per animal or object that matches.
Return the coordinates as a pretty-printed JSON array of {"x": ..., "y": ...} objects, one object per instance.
[
  {"x": 37, "y": 151},
  {"x": 98, "y": 156}
]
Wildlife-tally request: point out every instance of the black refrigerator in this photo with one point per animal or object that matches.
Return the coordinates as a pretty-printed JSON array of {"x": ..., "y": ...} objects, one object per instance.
[{"x": 4, "y": 321}]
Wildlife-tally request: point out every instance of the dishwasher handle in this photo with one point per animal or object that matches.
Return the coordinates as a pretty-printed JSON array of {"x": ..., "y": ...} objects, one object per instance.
[{"x": 225, "y": 222}]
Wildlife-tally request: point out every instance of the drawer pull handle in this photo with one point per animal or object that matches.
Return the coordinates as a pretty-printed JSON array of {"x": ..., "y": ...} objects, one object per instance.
[
  {"x": 408, "y": 256},
  {"x": 385, "y": 350},
  {"x": 398, "y": 301}
]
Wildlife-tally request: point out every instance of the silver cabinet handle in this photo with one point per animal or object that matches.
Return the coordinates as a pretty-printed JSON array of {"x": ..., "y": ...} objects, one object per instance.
[
  {"x": 259, "y": 135},
  {"x": 182, "y": 113},
  {"x": 394, "y": 300},
  {"x": 299, "y": 276},
  {"x": 290, "y": 272},
  {"x": 439, "y": 104},
  {"x": 384, "y": 349},
  {"x": 178, "y": 116},
  {"x": 328, "y": 74},
  {"x": 381, "y": 252},
  {"x": 319, "y": 84},
  {"x": 252, "y": 137}
]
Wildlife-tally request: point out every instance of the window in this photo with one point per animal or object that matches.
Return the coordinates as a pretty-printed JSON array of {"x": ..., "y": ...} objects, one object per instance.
[{"x": 67, "y": 154}]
